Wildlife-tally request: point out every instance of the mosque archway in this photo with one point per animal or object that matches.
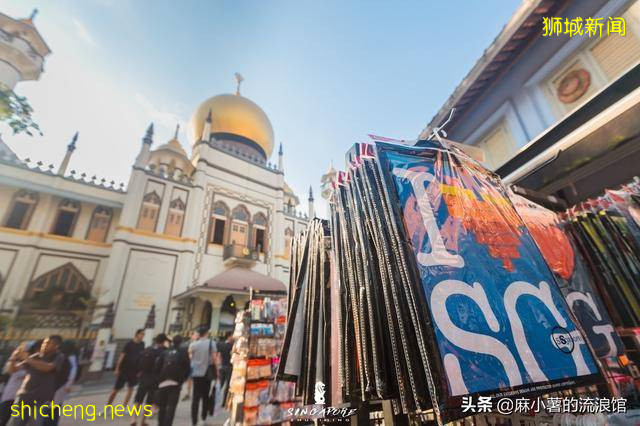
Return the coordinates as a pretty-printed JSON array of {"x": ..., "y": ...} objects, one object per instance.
[{"x": 205, "y": 318}]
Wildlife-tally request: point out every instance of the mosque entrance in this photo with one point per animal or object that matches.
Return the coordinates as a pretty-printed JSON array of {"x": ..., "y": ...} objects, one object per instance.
[{"x": 205, "y": 317}]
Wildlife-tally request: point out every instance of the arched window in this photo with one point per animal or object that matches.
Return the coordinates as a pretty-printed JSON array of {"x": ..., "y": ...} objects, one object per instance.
[
  {"x": 241, "y": 214},
  {"x": 99, "y": 226},
  {"x": 62, "y": 289},
  {"x": 175, "y": 218},
  {"x": 68, "y": 212},
  {"x": 288, "y": 237},
  {"x": 239, "y": 225},
  {"x": 219, "y": 216},
  {"x": 24, "y": 202},
  {"x": 205, "y": 316},
  {"x": 259, "y": 226},
  {"x": 149, "y": 212}
]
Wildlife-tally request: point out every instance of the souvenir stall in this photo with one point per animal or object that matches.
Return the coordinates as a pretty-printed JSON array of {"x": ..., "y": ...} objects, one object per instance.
[
  {"x": 255, "y": 398},
  {"x": 442, "y": 294}
]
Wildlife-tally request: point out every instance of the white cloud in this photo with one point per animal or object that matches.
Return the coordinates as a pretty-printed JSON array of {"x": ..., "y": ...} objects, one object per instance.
[
  {"x": 71, "y": 96},
  {"x": 160, "y": 116},
  {"x": 83, "y": 33}
]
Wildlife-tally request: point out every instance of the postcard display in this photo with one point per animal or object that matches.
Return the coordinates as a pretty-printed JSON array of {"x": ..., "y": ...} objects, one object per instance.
[
  {"x": 444, "y": 293},
  {"x": 256, "y": 398}
]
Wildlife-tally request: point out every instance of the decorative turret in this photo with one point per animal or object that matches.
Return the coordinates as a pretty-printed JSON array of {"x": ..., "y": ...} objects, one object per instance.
[
  {"x": 149, "y": 326},
  {"x": 170, "y": 158},
  {"x": 67, "y": 156},
  {"x": 280, "y": 159},
  {"x": 109, "y": 316},
  {"x": 22, "y": 57},
  {"x": 326, "y": 182},
  {"x": 148, "y": 137},
  {"x": 206, "y": 129},
  {"x": 151, "y": 318},
  {"x": 312, "y": 213},
  {"x": 143, "y": 157}
]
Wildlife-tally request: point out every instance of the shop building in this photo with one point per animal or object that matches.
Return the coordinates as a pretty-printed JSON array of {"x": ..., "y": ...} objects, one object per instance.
[{"x": 555, "y": 113}]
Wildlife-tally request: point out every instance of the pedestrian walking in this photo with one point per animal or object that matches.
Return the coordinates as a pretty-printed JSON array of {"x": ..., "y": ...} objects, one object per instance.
[
  {"x": 194, "y": 336},
  {"x": 172, "y": 369},
  {"x": 127, "y": 367},
  {"x": 202, "y": 353}
]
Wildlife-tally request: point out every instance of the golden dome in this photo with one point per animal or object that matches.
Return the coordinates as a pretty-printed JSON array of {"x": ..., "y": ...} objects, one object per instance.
[
  {"x": 236, "y": 115},
  {"x": 174, "y": 146}
]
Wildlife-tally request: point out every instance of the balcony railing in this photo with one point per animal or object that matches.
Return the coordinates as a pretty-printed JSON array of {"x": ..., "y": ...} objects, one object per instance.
[{"x": 240, "y": 254}]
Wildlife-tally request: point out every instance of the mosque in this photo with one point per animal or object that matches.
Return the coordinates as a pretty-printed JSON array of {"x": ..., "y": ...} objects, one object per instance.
[{"x": 180, "y": 245}]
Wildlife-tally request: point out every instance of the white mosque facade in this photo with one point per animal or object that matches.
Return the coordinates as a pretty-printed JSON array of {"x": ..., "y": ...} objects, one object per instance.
[{"x": 180, "y": 245}]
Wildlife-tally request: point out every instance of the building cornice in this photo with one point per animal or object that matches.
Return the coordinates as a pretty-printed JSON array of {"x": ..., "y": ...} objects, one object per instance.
[
  {"x": 130, "y": 230},
  {"x": 234, "y": 173},
  {"x": 222, "y": 147},
  {"x": 27, "y": 233}
]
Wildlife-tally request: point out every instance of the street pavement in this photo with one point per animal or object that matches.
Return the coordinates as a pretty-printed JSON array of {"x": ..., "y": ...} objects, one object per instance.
[{"x": 98, "y": 393}]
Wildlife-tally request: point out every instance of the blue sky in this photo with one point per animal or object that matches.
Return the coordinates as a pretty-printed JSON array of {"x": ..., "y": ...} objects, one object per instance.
[{"x": 325, "y": 72}]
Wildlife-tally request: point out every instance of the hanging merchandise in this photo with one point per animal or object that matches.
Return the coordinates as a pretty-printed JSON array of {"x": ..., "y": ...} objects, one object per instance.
[
  {"x": 626, "y": 201},
  {"x": 256, "y": 398},
  {"x": 305, "y": 358},
  {"x": 572, "y": 275},
  {"x": 606, "y": 233},
  {"x": 449, "y": 296}
]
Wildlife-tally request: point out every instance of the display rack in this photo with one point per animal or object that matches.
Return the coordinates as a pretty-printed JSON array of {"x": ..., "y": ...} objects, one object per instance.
[{"x": 257, "y": 399}]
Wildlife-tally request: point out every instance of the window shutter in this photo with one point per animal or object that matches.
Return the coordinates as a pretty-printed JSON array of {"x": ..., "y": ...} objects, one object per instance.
[
  {"x": 615, "y": 53},
  {"x": 497, "y": 145}
]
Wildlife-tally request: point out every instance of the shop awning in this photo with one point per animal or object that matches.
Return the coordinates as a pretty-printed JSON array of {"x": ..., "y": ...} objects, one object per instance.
[
  {"x": 595, "y": 147},
  {"x": 241, "y": 279},
  {"x": 237, "y": 280}
]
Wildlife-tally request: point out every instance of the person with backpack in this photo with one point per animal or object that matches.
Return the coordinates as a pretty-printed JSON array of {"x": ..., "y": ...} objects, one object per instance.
[
  {"x": 43, "y": 369},
  {"x": 148, "y": 379},
  {"x": 172, "y": 369},
  {"x": 202, "y": 353}
]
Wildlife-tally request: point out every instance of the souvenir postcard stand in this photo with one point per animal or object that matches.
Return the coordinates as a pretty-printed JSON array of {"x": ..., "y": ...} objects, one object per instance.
[{"x": 257, "y": 399}]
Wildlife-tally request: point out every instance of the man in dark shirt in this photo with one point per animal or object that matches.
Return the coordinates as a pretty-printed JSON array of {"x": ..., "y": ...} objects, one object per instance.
[
  {"x": 127, "y": 367},
  {"x": 38, "y": 386},
  {"x": 224, "y": 361}
]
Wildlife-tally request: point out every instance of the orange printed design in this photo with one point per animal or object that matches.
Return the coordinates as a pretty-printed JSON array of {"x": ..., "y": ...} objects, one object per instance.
[
  {"x": 553, "y": 243},
  {"x": 490, "y": 217}
]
